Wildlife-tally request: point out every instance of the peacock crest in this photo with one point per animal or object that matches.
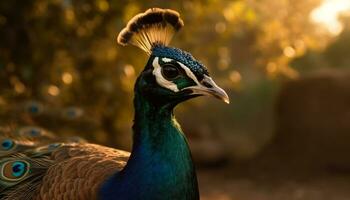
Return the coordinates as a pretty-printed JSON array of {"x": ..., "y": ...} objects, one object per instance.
[{"x": 154, "y": 27}]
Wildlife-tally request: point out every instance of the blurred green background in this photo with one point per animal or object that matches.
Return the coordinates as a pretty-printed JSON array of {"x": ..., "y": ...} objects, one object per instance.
[{"x": 284, "y": 63}]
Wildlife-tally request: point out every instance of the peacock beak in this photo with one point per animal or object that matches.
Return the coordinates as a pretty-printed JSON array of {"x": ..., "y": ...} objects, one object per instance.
[{"x": 208, "y": 87}]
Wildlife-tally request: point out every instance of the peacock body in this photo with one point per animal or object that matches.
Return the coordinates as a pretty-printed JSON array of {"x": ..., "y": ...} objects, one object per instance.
[{"x": 35, "y": 164}]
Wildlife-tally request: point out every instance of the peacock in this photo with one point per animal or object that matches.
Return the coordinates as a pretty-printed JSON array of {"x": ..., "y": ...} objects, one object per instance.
[{"x": 37, "y": 165}]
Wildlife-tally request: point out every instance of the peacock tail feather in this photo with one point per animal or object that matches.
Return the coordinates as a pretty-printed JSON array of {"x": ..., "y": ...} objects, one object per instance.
[
  {"x": 10, "y": 146},
  {"x": 20, "y": 175},
  {"x": 30, "y": 153},
  {"x": 35, "y": 161}
]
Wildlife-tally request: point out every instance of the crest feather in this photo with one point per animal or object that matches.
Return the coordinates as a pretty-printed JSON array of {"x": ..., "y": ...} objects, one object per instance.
[{"x": 156, "y": 26}]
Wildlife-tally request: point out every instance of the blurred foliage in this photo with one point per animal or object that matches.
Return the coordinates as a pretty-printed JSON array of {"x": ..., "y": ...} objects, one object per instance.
[
  {"x": 332, "y": 56},
  {"x": 64, "y": 53}
]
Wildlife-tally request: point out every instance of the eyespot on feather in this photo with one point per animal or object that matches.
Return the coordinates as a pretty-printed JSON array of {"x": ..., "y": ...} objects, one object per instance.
[
  {"x": 33, "y": 132},
  {"x": 7, "y": 144},
  {"x": 34, "y": 108},
  {"x": 14, "y": 170}
]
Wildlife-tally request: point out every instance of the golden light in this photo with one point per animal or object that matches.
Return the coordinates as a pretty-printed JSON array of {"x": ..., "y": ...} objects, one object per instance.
[
  {"x": 234, "y": 10},
  {"x": 53, "y": 90},
  {"x": 224, "y": 58},
  {"x": 229, "y": 14},
  {"x": 129, "y": 70},
  {"x": 271, "y": 68},
  {"x": 289, "y": 52},
  {"x": 223, "y": 63},
  {"x": 18, "y": 85},
  {"x": 235, "y": 76},
  {"x": 103, "y": 5},
  {"x": 327, "y": 14},
  {"x": 67, "y": 78},
  {"x": 220, "y": 27},
  {"x": 300, "y": 47},
  {"x": 70, "y": 16}
]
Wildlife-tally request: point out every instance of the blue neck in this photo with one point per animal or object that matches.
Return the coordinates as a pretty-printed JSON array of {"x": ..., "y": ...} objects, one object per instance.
[{"x": 160, "y": 165}]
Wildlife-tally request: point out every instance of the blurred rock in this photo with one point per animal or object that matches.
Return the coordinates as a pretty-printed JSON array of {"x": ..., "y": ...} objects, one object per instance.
[
  {"x": 208, "y": 151},
  {"x": 207, "y": 148},
  {"x": 313, "y": 121}
]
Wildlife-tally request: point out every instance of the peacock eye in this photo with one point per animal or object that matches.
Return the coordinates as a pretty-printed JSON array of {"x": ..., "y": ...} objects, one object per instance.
[
  {"x": 34, "y": 132},
  {"x": 170, "y": 71},
  {"x": 14, "y": 170},
  {"x": 33, "y": 109},
  {"x": 18, "y": 169},
  {"x": 7, "y": 144}
]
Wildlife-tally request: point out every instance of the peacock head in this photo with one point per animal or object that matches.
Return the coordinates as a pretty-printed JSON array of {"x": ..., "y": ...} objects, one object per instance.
[{"x": 171, "y": 74}]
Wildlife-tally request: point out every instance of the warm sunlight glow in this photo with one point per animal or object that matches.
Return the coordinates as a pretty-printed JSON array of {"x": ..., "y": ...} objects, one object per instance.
[
  {"x": 235, "y": 76},
  {"x": 67, "y": 78},
  {"x": 53, "y": 90},
  {"x": 328, "y": 12}
]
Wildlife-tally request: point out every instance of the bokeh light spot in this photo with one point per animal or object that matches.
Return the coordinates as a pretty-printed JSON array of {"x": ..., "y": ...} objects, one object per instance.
[
  {"x": 53, "y": 90},
  {"x": 67, "y": 78},
  {"x": 289, "y": 52}
]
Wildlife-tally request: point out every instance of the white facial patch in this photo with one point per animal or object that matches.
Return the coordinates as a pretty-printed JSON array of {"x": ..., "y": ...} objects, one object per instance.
[
  {"x": 189, "y": 73},
  {"x": 157, "y": 72},
  {"x": 166, "y": 60}
]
